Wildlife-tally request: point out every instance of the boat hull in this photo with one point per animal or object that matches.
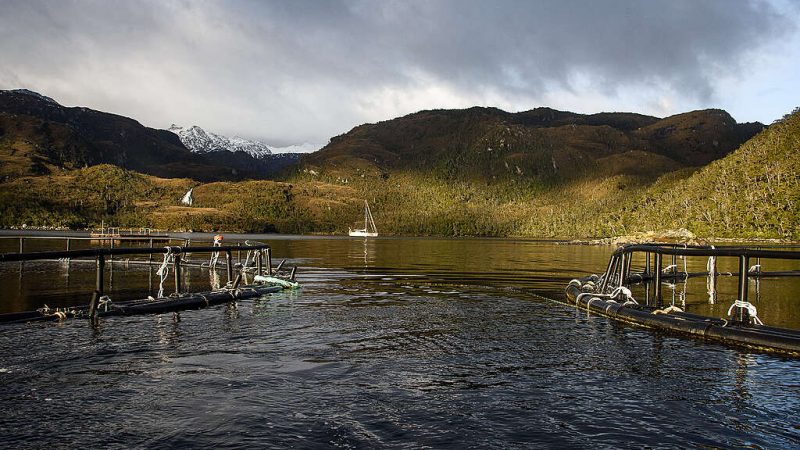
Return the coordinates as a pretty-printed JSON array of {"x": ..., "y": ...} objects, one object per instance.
[{"x": 358, "y": 233}]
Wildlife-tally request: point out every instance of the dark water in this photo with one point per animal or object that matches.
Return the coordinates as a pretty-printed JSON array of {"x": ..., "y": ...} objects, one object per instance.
[{"x": 408, "y": 343}]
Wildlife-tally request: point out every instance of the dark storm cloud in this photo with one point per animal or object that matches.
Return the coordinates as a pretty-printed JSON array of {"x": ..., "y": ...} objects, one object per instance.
[{"x": 297, "y": 69}]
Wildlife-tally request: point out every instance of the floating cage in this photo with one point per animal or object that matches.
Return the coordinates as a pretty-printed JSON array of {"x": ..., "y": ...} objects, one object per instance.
[
  {"x": 258, "y": 262},
  {"x": 610, "y": 294}
]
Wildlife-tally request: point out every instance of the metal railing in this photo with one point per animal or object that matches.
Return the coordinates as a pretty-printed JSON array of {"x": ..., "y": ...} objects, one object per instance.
[
  {"x": 618, "y": 272},
  {"x": 263, "y": 257}
]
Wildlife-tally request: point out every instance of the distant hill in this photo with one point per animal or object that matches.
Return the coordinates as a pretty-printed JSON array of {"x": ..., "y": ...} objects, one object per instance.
[
  {"x": 542, "y": 144},
  {"x": 38, "y": 135}
]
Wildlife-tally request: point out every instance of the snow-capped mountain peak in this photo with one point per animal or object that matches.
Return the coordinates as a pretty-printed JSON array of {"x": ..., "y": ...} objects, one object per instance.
[{"x": 198, "y": 140}]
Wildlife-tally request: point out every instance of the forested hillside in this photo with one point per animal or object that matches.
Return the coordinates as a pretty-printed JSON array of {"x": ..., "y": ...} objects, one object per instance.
[{"x": 542, "y": 173}]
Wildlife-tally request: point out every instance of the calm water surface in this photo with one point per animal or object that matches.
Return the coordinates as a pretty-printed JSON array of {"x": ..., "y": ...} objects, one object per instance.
[{"x": 400, "y": 343}]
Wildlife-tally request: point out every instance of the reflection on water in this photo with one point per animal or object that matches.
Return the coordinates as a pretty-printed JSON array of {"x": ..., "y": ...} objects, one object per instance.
[{"x": 390, "y": 342}]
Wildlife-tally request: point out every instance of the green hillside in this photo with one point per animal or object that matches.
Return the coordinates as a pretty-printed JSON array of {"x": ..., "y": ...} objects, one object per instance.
[
  {"x": 754, "y": 192},
  {"x": 617, "y": 183}
]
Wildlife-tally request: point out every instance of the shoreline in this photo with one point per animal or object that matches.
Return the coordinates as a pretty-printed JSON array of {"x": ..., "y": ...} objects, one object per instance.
[{"x": 679, "y": 236}]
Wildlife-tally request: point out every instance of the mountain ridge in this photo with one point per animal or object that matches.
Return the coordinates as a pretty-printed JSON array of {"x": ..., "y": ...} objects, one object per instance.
[
  {"x": 199, "y": 140},
  {"x": 542, "y": 144},
  {"x": 52, "y": 135}
]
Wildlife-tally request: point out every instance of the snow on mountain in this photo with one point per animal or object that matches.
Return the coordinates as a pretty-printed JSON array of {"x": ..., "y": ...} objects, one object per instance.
[
  {"x": 200, "y": 141},
  {"x": 298, "y": 148}
]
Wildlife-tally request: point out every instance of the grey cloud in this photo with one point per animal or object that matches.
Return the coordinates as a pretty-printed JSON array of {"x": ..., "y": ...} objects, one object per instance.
[{"x": 295, "y": 70}]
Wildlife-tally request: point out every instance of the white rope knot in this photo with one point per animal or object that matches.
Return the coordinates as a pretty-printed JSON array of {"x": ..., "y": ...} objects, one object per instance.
[
  {"x": 163, "y": 271},
  {"x": 104, "y": 302},
  {"x": 751, "y": 310},
  {"x": 625, "y": 293}
]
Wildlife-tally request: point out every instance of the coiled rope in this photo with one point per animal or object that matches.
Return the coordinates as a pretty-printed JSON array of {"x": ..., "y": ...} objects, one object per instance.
[
  {"x": 751, "y": 310},
  {"x": 104, "y": 302},
  {"x": 163, "y": 271}
]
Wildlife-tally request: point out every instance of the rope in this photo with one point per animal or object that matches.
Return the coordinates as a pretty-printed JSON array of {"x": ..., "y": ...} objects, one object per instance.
[
  {"x": 626, "y": 293},
  {"x": 755, "y": 269},
  {"x": 247, "y": 260},
  {"x": 751, "y": 309},
  {"x": 711, "y": 268},
  {"x": 685, "y": 269},
  {"x": 212, "y": 263},
  {"x": 668, "y": 310},
  {"x": 163, "y": 271},
  {"x": 581, "y": 295},
  {"x": 104, "y": 302}
]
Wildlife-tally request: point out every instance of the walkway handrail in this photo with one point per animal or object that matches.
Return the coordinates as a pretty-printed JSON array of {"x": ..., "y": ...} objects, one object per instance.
[
  {"x": 619, "y": 266},
  {"x": 736, "y": 251},
  {"x": 262, "y": 250},
  {"x": 96, "y": 252}
]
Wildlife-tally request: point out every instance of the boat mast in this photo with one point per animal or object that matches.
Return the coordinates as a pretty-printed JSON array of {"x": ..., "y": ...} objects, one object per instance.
[{"x": 368, "y": 216}]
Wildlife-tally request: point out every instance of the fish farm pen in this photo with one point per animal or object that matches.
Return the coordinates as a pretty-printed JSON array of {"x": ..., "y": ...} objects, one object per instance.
[
  {"x": 258, "y": 262},
  {"x": 644, "y": 265}
]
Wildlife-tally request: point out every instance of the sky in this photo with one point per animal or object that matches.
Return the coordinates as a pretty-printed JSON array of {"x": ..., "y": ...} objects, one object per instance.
[{"x": 294, "y": 71}]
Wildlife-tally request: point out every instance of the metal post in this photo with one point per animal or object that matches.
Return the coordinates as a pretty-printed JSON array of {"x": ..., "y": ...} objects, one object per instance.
[
  {"x": 21, "y": 244},
  {"x": 657, "y": 281},
  {"x": 150, "y": 255},
  {"x": 744, "y": 264},
  {"x": 611, "y": 263},
  {"x": 628, "y": 267},
  {"x": 238, "y": 253},
  {"x": 647, "y": 263},
  {"x": 269, "y": 261},
  {"x": 101, "y": 269},
  {"x": 177, "y": 269},
  {"x": 68, "y": 249},
  {"x": 93, "y": 307},
  {"x": 229, "y": 264},
  {"x": 260, "y": 262}
]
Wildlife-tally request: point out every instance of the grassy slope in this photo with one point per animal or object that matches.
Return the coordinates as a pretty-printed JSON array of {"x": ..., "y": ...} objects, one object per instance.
[{"x": 753, "y": 192}]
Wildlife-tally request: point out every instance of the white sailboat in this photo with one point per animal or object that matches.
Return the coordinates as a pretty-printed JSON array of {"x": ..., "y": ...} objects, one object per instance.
[{"x": 369, "y": 229}]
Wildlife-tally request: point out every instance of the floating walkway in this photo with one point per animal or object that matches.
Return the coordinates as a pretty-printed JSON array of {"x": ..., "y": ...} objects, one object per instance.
[
  {"x": 259, "y": 255},
  {"x": 609, "y": 295}
]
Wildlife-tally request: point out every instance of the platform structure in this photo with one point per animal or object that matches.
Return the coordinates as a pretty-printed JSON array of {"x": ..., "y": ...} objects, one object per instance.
[
  {"x": 259, "y": 262},
  {"x": 610, "y": 294}
]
